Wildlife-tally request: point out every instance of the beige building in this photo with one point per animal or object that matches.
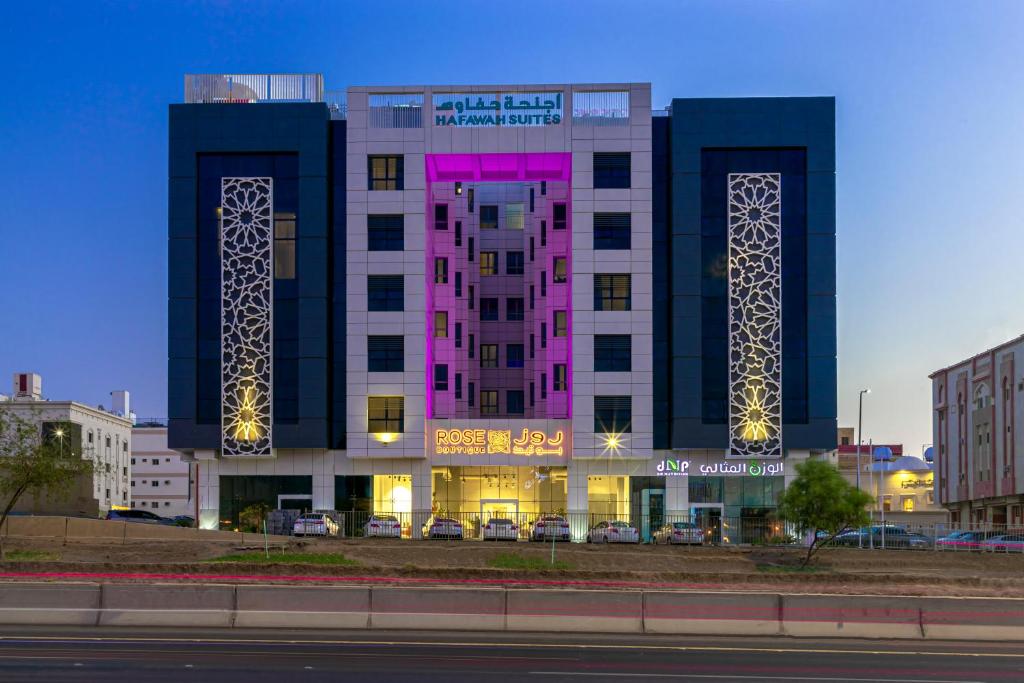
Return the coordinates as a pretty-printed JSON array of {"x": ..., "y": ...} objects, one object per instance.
[{"x": 161, "y": 482}]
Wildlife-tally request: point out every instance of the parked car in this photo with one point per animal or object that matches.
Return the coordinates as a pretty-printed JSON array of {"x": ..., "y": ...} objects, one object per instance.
[
  {"x": 1004, "y": 543},
  {"x": 550, "y": 527},
  {"x": 183, "y": 520},
  {"x": 679, "y": 532},
  {"x": 382, "y": 526},
  {"x": 442, "y": 527},
  {"x": 967, "y": 540},
  {"x": 140, "y": 516},
  {"x": 500, "y": 529},
  {"x": 315, "y": 524},
  {"x": 613, "y": 531}
]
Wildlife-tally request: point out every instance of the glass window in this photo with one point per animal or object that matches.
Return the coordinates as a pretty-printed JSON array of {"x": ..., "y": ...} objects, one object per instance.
[
  {"x": 458, "y": 385},
  {"x": 488, "y": 263},
  {"x": 611, "y": 170},
  {"x": 514, "y": 263},
  {"x": 488, "y": 402},
  {"x": 488, "y": 217},
  {"x": 560, "y": 379},
  {"x": 612, "y": 352},
  {"x": 613, "y": 414},
  {"x": 440, "y": 216},
  {"x": 385, "y": 414},
  {"x": 471, "y": 391},
  {"x": 514, "y": 355},
  {"x": 612, "y": 292},
  {"x": 458, "y": 233},
  {"x": 458, "y": 335},
  {"x": 385, "y": 232},
  {"x": 440, "y": 270},
  {"x": 440, "y": 377},
  {"x": 488, "y": 308},
  {"x": 559, "y": 216},
  {"x": 612, "y": 230},
  {"x": 488, "y": 355},
  {"x": 284, "y": 246},
  {"x": 561, "y": 324},
  {"x": 560, "y": 270},
  {"x": 386, "y": 172},
  {"x": 458, "y": 283},
  {"x": 514, "y": 216},
  {"x": 385, "y": 292},
  {"x": 386, "y": 353},
  {"x": 441, "y": 324},
  {"x": 514, "y": 402},
  {"x": 514, "y": 308}
]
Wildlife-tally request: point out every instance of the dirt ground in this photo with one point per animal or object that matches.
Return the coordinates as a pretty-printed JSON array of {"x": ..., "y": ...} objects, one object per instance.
[{"x": 710, "y": 568}]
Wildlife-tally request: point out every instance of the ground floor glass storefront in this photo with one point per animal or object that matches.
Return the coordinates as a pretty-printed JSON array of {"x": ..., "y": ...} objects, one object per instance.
[{"x": 498, "y": 491}]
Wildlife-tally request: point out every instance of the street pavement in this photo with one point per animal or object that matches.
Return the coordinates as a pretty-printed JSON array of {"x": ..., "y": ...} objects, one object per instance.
[{"x": 157, "y": 655}]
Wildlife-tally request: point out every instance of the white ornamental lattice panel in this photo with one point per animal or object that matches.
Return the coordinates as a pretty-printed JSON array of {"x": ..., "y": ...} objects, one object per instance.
[
  {"x": 755, "y": 315},
  {"x": 247, "y": 251}
]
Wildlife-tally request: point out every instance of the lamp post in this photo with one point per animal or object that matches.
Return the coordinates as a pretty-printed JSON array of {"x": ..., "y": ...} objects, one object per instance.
[{"x": 860, "y": 442}]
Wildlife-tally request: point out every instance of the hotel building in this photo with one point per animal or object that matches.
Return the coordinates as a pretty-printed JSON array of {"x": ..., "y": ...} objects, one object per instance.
[{"x": 498, "y": 299}]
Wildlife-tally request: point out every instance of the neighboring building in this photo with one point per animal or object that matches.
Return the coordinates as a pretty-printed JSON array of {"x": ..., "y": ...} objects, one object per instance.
[
  {"x": 161, "y": 481},
  {"x": 102, "y": 436},
  {"x": 977, "y": 435},
  {"x": 487, "y": 300}
]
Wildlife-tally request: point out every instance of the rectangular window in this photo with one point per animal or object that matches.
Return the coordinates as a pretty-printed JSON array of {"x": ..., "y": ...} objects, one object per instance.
[
  {"x": 488, "y": 217},
  {"x": 385, "y": 293},
  {"x": 440, "y": 270},
  {"x": 470, "y": 250},
  {"x": 458, "y": 385},
  {"x": 385, "y": 414},
  {"x": 472, "y": 344},
  {"x": 514, "y": 402},
  {"x": 514, "y": 263},
  {"x": 543, "y": 283},
  {"x": 612, "y": 292},
  {"x": 611, "y": 170},
  {"x": 514, "y": 216},
  {"x": 514, "y": 309},
  {"x": 531, "y": 200},
  {"x": 543, "y": 187},
  {"x": 612, "y": 230},
  {"x": 488, "y": 355},
  {"x": 561, "y": 324},
  {"x": 386, "y": 172},
  {"x": 458, "y": 233},
  {"x": 613, "y": 414},
  {"x": 543, "y": 233},
  {"x": 472, "y": 199},
  {"x": 458, "y": 283},
  {"x": 560, "y": 379},
  {"x": 284, "y": 246},
  {"x": 440, "y": 216},
  {"x": 441, "y": 324},
  {"x": 488, "y": 263},
  {"x": 514, "y": 355},
  {"x": 533, "y": 345},
  {"x": 543, "y": 385},
  {"x": 559, "y": 270},
  {"x": 385, "y": 232},
  {"x": 612, "y": 352},
  {"x": 558, "y": 216},
  {"x": 472, "y": 297},
  {"x": 471, "y": 390},
  {"x": 533, "y": 290},
  {"x": 533, "y": 394},
  {"x": 543, "y": 335},
  {"x": 488, "y": 308},
  {"x": 385, "y": 353},
  {"x": 488, "y": 401},
  {"x": 458, "y": 335},
  {"x": 533, "y": 251},
  {"x": 440, "y": 377}
]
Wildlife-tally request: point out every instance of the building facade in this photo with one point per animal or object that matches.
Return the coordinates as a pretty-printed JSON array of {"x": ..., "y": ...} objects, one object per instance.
[
  {"x": 161, "y": 481},
  {"x": 498, "y": 300},
  {"x": 978, "y": 437}
]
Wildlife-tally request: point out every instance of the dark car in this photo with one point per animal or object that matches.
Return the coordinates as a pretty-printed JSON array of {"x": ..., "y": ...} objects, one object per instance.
[{"x": 139, "y": 516}]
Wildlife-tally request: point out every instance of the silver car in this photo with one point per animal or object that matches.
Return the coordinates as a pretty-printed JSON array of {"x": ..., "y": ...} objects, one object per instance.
[
  {"x": 550, "y": 527},
  {"x": 315, "y": 524},
  {"x": 687, "y": 533},
  {"x": 613, "y": 531},
  {"x": 500, "y": 530},
  {"x": 442, "y": 527},
  {"x": 382, "y": 526}
]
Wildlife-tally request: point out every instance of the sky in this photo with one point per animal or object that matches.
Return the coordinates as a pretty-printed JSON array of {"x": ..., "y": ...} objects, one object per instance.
[{"x": 930, "y": 145}]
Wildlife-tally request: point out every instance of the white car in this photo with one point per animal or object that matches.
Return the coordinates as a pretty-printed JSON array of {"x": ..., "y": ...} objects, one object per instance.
[
  {"x": 315, "y": 524},
  {"x": 679, "y": 532},
  {"x": 613, "y": 531},
  {"x": 500, "y": 530},
  {"x": 550, "y": 527},
  {"x": 442, "y": 527},
  {"x": 382, "y": 526}
]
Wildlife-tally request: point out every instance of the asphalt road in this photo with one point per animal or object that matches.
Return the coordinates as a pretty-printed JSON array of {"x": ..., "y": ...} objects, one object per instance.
[{"x": 151, "y": 655}]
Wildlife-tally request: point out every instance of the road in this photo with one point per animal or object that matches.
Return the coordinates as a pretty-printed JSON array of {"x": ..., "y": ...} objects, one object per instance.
[{"x": 157, "y": 655}]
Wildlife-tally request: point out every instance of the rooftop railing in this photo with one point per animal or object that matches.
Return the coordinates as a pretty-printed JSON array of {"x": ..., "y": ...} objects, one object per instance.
[
  {"x": 250, "y": 88},
  {"x": 337, "y": 104}
]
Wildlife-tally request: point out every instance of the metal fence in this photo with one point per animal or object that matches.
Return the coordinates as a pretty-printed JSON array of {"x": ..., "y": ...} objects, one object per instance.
[{"x": 244, "y": 88}]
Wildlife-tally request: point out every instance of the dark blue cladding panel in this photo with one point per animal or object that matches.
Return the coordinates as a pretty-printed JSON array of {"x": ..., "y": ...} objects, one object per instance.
[{"x": 661, "y": 179}]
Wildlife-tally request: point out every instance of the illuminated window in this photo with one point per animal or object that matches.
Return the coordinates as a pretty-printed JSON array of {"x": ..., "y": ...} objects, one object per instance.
[
  {"x": 488, "y": 355},
  {"x": 284, "y": 246},
  {"x": 386, "y": 172},
  {"x": 514, "y": 216},
  {"x": 385, "y": 414},
  {"x": 907, "y": 503},
  {"x": 561, "y": 324},
  {"x": 488, "y": 402},
  {"x": 488, "y": 263},
  {"x": 560, "y": 270},
  {"x": 612, "y": 292},
  {"x": 559, "y": 381},
  {"x": 441, "y": 324},
  {"x": 440, "y": 271}
]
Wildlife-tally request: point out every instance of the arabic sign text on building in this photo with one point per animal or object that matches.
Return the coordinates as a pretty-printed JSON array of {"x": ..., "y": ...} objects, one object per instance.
[
  {"x": 754, "y": 468},
  {"x": 485, "y": 441},
  {"x": 917, "y": 483},
  {"x": 492, "y": 109}
]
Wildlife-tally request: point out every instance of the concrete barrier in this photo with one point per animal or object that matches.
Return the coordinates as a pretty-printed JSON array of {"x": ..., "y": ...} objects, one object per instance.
[
  {"x": 167, "y": 605},
  {"x": 135, "y": 532},
  {"x": 575, "y": 611},
  {"x": 475, "y": 609},
  {"x": 36, "y": 527},
  {"x": 721, "y": 613},
  {"x": 69, "y": 604},
  {"x": 302, "y": 607},
  {"x": 993, "y": 619},
  {"x": 851, "y": 616},
  {"x": 80, "y": 530}
]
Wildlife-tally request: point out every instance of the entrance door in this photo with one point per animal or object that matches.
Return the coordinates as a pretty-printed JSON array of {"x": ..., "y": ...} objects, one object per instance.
[
  {"x": 499, "y": 508},
  {"x": 708, "y": 518},
  {"x": 652, "y": 512}
]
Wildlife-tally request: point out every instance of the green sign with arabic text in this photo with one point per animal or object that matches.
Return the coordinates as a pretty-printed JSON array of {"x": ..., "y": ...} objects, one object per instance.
[{"x": 493, "y": 109}]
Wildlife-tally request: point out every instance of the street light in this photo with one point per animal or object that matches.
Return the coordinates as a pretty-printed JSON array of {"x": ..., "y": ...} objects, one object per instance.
[{"x": 860, "y": 442}]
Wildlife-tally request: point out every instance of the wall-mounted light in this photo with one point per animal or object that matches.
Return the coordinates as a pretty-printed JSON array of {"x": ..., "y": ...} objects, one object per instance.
[
  {"x": 246, "y": 423},
  {"x": 458, "y": 188},
  {"x": 385, "y": 437}
]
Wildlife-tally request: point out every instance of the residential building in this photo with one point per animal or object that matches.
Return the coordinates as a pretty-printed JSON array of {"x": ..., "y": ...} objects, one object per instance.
[
  {"x": 162, "y": 482},
  {"x": 490, "y": 300}
]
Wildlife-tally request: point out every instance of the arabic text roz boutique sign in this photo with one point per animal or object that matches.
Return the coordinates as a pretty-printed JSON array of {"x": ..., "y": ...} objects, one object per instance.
[
  {"x": 476, "y": 110},
  {"x": 483, "y": 441},
  {"x": 670, "y": 468}
]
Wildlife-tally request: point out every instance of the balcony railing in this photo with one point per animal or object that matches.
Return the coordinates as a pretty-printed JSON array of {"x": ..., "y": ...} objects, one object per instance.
[
  {"x": 250, "y": 88},
  {"x": 337, "y": 104}
]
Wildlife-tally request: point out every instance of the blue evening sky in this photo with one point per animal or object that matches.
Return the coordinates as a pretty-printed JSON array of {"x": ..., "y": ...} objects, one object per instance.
[{"x": 930, "y": 144}]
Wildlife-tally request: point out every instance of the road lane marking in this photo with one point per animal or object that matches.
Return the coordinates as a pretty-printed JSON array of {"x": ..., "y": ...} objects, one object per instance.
[{"x": 731, "y": 677}]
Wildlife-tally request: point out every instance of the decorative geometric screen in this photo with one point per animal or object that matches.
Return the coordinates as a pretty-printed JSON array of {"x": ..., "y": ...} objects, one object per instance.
[
  {"x": 755, "y": 315},
  {"x": 247, "y": 271}
]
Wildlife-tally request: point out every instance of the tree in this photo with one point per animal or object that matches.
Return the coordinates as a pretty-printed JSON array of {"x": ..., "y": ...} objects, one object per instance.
[
  {"x": 31, "y": 463},
  {"x": 819, "y": 499},
  {"x": 251, "y": 517}
]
